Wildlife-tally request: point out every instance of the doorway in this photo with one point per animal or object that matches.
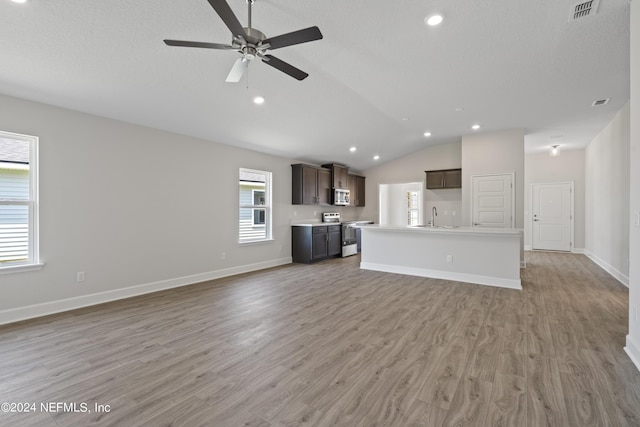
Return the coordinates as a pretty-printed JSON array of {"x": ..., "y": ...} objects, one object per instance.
[
  {"x": 493, "y": 200},
  {"x": 401, "y": 204},
  {"x": 552, "y": 216}
]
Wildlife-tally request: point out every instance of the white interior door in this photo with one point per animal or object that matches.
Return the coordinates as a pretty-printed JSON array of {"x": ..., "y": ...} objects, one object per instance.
[
  {"x": 492, "y": 200},
  {"x": 552, "y": 216}
]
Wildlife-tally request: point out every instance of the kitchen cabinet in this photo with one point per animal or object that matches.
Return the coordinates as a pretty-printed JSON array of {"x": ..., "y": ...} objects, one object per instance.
[
  {"x": 339, "y": 175},
  {"x": 315, "y": 243},
  {"x": 442, "y": 179},
  {"x": 356, "y": 189},
  {"x": 310, "y": 185}
]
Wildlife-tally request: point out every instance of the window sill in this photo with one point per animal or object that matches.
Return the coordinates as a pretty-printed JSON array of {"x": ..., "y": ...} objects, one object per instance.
[
  {"x": 255, "y": 242},
  {"x": 21, "y": 268}
]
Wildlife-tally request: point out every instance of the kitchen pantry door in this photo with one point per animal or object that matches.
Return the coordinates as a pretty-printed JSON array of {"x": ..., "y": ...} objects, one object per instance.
[
  {"x": 552, "y": 216},
  {"x": 493, "y": 200}
]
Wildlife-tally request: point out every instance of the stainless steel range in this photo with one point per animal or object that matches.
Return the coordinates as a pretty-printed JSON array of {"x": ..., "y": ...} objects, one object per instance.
[{"x": 349, "y": 238}]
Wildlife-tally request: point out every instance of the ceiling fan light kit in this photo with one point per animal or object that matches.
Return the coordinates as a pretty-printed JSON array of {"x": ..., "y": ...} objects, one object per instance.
[{"x": 252, "y": 43}]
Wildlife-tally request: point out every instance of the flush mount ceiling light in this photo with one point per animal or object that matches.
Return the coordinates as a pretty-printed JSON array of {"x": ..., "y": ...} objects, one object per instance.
[
  {"x": 459, "y": 109},
  {"x": 353, "y": 149},
  {"x": 376, "y": 157},
  {"x": 554, "y": 150},
  {"x": 427, "y": 134},
  {"x": 258, "y": 100},
  {"x": 433, "y": 20},
  {"x": 475, "y": 127}
]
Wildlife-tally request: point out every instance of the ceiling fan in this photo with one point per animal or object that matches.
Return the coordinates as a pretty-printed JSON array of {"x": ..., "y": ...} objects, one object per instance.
[{"x": 252, "y": 43}]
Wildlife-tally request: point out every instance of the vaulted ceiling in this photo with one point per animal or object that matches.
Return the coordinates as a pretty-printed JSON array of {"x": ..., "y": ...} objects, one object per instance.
[{"x": 378, "y": 80}]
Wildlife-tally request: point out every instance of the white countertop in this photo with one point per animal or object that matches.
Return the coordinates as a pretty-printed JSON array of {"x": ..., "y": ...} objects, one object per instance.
[{"x": 443, "y": 229}]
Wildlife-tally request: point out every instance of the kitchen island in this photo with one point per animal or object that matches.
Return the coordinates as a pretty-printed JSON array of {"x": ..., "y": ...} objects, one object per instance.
[{"x": 485, "y": 256}]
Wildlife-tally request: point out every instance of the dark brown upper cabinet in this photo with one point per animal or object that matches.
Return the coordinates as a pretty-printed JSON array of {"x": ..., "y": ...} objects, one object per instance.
[
  {"x": 339, "y": 175},
  {"x": 310, "y": 185},
  {"x": 445, "y": 178},
  {"x": 356, "y": 185}
]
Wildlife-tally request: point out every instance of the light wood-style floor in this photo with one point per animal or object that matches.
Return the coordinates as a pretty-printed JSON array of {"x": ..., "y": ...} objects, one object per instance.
[{"x": 329, "y": 344}]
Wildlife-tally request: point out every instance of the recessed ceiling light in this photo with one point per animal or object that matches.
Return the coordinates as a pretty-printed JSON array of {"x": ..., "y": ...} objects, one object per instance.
[
  {"x": 19, "y": 1},
  {"x": 600, "y": 102},
  {"x": 376, "y": 157},
  {"x": 427, "y": 134},
  {"x": 475, "y": 127},
  {"x": 258, "y": 100},
  {"x": 405, "y": 119},
  {"x": 353, "y": 149},
  {"x": 433, "y": 20},
  {"x": 459, "y": 109}
]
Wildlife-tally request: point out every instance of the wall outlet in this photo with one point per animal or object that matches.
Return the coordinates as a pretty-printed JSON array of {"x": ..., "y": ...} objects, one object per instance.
[
  {"x": 223, "y": 255},
  {"x": 449, "y": 258},
  {"x": 80, "y": 276},
  {"x": 453, "y": 213},
  {"x": 446, "y": 212}
]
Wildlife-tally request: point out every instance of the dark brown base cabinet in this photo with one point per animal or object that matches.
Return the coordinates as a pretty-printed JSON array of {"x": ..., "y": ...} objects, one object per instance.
[{"x": 310, "y": 244}]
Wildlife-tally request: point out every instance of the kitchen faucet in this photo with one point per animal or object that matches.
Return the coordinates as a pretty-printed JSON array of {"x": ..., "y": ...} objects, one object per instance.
[{"x": 434, "y": 214}]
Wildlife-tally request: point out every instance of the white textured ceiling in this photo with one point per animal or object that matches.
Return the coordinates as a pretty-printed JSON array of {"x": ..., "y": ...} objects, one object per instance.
[{"x": 507, "y": 63}]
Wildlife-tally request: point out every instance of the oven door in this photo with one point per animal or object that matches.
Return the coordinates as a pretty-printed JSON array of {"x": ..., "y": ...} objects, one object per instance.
[{"x": 349, "y": 239}]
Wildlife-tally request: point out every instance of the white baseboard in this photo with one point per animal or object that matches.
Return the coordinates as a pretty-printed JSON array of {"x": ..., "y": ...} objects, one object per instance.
[
  {"x": 633, "y": 351},
  {"x": 574, "y": 250},
  {"x": 38, "y": 310},
  {"x": 620, "y": 277},
  {"x": 446, "y": 275}
]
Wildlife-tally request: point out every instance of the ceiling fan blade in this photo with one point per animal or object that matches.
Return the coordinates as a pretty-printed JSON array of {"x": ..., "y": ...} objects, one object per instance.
[
  {"x": 284, "y": 67},
  {"x": 296, "y": 37},
  {"x": 237, "y": 71},
  {"x": 223, "y": 9},
  {"x": 184, "y": 43}
]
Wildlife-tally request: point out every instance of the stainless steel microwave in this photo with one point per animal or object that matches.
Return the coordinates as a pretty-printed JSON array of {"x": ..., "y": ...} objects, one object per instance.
[{"x": 341, "y": 197}]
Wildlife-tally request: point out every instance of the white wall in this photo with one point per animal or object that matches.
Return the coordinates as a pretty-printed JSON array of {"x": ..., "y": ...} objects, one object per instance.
[
  {"x": 133, "y": 206},
  {"x": 567, "y": 167},
  {"x": 607, "y": 197},
  {"x": 411, "y": 169},
  {"x": 633, "y": 339},
  {"x": 494, "y": 152}
]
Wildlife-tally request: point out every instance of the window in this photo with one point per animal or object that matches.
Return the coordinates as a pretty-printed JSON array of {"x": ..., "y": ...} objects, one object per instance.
[
  {"x": 255, "y": 206},
  {"x": 18, "y": 202},
  {"x": 413, "y": 208}
]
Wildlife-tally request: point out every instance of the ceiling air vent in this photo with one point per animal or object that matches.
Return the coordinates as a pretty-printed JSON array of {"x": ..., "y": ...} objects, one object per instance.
[
  {"x": 600, "y": 102},
  {"x": 582, "y": 9}
]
